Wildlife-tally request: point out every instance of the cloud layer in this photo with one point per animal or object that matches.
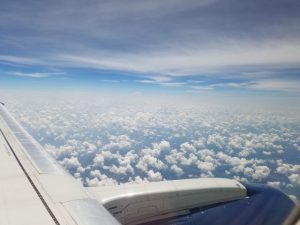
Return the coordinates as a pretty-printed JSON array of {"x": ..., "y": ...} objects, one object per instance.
[{"x": 109, "y": 142}]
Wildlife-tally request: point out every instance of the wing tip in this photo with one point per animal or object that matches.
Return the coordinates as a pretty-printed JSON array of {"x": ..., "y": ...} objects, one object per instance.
[{"x": 2, "y": 103}]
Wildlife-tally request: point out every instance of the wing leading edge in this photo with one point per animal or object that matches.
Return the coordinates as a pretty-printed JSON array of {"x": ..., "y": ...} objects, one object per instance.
[{"x": 34, "y": 188}]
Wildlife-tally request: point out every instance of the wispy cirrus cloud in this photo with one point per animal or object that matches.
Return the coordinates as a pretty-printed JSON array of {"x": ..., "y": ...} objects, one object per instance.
[
  {"x": 240, "y": 42},
  {"x": 35, "y": 74},
  {"x": 21, "y": 60},
  {"x": 192, "y": 60},
  {"x": 32, "y": 75},
  {"x": 275, "y": 85},
  {"x": 171, "y": 37}
]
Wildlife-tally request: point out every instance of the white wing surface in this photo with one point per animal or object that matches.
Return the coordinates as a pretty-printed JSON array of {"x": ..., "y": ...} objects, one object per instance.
[{"x": 34, "y": 189}]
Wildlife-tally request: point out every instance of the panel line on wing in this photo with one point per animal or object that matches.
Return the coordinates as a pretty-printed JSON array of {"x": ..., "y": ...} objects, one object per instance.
[
  {"x": 30, "y": 181},
  {"x": 43, "y": 162}
]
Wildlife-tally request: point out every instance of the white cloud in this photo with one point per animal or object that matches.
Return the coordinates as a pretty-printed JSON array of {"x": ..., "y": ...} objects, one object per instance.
[
  {"x": 173, "y": 157},
  {"x": 149, "y": 161},
  {"x": 286, "y": 168},
  {"x": 188, "y": 161},
  {"x": 99, "y": 179},
  {"x": 71, "y": 163},
  {"x": 99, "y": 160},
  {"x": 187, "y": 148},
  {"x": 261, "y": 172},
  {"x": 233, "y": 161},
  {"x": 177, "y": 170},
  {"x": 32, "y": 75},
  {"x": 216, "y": 140},
  {"x": 200, "y": 143},
  {"x": 236, "y": 142},
  {"x": 21, "y": 60},
  {"x": 89, "y": 147},
  {"x": 61, "y": 152},
  {"x": 295, "y": 179},
  {"x": 294, "y": 199},
  {"x": 120, "y": 143},
  {"x": 206, "y": 167},
  {"x": 80, "y": 169},
  {"x": 35, "y": 75},
  {"x": 267, "y": 153},
  {"x": 154, "y": 176},
  {"x": 190, "y": 59},
  {"x": 122, "y": 169},
  {"x": 274, "y": 184},
  {"x": 248, "y": 171},
  {"x": 244, "y": 153},
  {"x": 129, "y": 159},
  {"x": 137, "y": 180},
  {"x": 163, "y": 146},
  {"x": 272, "y": 84},
  {"x": 92, "y": 182},
  {"x": 96, "y": 173},
  {"x": 181, "y": 140}
]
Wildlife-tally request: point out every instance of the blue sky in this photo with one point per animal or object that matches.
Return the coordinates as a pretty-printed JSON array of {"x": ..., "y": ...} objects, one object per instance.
[{"x": 193, "y": 46}]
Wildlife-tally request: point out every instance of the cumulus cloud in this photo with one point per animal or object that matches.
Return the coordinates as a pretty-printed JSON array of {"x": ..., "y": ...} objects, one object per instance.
[
  {"x": 99, "y": 179},
  {"x": 248, "y": 171},
  {"x": 286, "y": 168},
  {"x": 190, "y": 160},
  {"x": 122, "y": 169},
  {"x": 261, "y": 172},
  {"x": 71, "y": 163},
  {"x": 154, "y": 176},
  {"x": 187, "y": 147},
  {"x": 294, "y": 198},
  {"x": 275, "y": 184},
  {"x": 216, "y": 141},
  {"x": 106, "y": 144},
  {"x": 120, "y": 143},
  {"x": 137, "y": 180},
  {"x": 163, "y": 146},
  {"x": 147, "y": 161},
  {"x": 99, "y": 160},
  {"x": 177, "y": 170},
  {"x": 206, "y": 167},
  {"x": 295, "y": 179}
]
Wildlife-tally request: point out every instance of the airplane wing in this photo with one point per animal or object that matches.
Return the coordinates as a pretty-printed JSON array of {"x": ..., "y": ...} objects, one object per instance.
[{"x": 35, "y": 190}]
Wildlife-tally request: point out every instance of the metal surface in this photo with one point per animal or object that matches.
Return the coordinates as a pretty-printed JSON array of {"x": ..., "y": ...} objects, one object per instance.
[
  {"x": 264, "y": 206},
  {"x": 136, "y": 203},
  {"x": 90, "y": 212},
  {"x": 44, "y": 163},
  {"x": 42, "y": 185},
  {"x": 19, "y": 202}
]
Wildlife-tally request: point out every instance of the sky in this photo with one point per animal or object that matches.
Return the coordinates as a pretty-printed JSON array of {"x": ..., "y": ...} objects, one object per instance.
[
  {"x": 186, "y": 48},
  {"x": 139, "y": 91}
]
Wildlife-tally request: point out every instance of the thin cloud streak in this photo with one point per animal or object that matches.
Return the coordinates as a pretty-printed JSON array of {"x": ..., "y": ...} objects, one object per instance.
[
  {"x": 235, "y": 44},
  {"x": 273, "y": 85},
  {"x": 35, "y": 75},
  {"x": 32, "y": 75},
  {"x": 189, "y": 61},
  {"x": 169, "y": 37}
]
